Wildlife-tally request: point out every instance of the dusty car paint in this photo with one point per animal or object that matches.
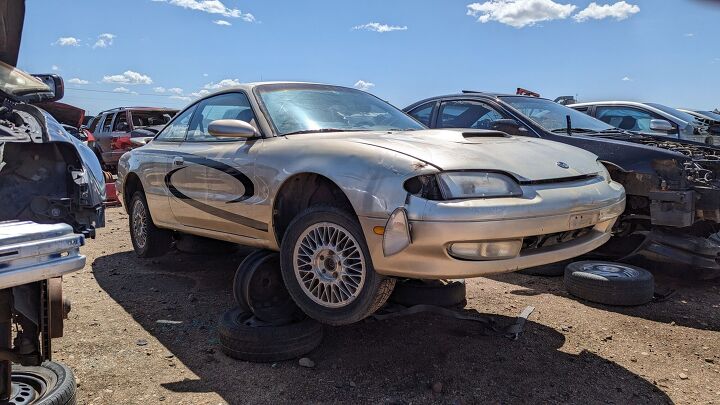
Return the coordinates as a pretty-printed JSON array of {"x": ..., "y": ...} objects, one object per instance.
[{"x": 203, "y": 189}]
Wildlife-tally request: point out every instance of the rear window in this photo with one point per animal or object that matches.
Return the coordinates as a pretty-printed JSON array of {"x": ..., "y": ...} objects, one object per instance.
[{"x": 150, "y": 118}]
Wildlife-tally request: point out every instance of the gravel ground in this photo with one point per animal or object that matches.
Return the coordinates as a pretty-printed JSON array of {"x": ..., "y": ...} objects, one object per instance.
[{"x": 571, "y": 351}]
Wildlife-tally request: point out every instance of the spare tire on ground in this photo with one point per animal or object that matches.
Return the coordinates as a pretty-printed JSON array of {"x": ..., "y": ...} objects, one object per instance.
[
  {"x": 244, "y": 337},
  {"x": 609, "y": 283},
  {"x": 441, "y": 293},
  {"x": 50, "y": 383}
]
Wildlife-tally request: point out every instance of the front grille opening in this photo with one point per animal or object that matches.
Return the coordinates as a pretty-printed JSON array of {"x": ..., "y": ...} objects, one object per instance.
[
  {"x": 532, "y": 243},
  {"x": 560, "y": 180}
]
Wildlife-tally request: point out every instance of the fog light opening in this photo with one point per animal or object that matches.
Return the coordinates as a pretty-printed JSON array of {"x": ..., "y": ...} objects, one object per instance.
[
  {"x": 494, "y": 250},
  {"x": 396, "y": 236}
]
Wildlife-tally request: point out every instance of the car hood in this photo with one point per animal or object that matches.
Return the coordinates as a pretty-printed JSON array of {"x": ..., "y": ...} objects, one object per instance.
[{"x": 524, "y": 158}]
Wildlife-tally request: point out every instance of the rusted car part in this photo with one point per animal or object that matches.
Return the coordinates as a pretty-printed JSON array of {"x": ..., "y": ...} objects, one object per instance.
[
  {"x": 33, "y": 259},
  {"x": 671, "y": 185},
  {"x": 111, "y": 197}
]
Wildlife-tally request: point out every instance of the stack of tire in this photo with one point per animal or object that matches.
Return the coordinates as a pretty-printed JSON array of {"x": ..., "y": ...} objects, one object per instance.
[{"x": 266, "y": 325}]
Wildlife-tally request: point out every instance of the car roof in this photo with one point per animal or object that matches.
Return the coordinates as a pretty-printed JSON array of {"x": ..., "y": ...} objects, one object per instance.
[
  {"x": 467, "y": 94},
  {"x": 611, "y": 102}
]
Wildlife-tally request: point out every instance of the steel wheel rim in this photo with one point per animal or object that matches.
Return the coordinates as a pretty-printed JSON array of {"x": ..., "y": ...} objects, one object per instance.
[
  {"x": 329, "y": 265},
  {"x": 139, "y": 225},
  {"x": 610, "y": 270}
]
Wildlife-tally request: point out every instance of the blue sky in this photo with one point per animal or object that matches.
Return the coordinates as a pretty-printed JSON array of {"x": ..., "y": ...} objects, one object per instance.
[{"x": 663, "y": 51}]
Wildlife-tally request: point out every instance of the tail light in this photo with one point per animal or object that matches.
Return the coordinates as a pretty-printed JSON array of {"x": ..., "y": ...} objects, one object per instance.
[{"x": 120, "y": 143}]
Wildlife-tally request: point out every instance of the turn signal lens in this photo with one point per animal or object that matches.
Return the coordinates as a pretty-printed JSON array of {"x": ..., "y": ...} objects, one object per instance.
[
  {"x": 506, "y": 249},
  {"x": 397, "y": 233}
]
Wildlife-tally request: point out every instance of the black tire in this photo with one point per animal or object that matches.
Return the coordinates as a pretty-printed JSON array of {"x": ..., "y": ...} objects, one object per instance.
[
  {"x": 264, "y": 289},
  {"x": 441, "y": 293},
  {"x": 373, "y": 292},
  {"x": 240, "y": 274},
  {"x": 157, "y": 241},
  {"x": 244, "y": 338},
  {"x": 57, "y": 379},
  {"x": 548, "y": 270},
  {"x": 198, "y": 245},
  {"x": 609, "y": 283}
]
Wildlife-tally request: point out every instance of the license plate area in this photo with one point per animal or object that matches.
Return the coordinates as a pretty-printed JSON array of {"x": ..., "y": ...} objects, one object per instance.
[{"x": 582, "y": 220}]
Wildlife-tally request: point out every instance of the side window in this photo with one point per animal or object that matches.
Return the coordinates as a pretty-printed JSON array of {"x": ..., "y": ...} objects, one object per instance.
[
  {"x": 631, "y": 119},
  {"x": 120, "y": 124},
  {"x": 466, "y": 114},
  {"x": 107, "y": 121},
  {"x": 175, "y": 132},
  {"x": 230, "y": 106},
  {"x": 93, "y": 123},
  {"x": 423, "y": 113}
]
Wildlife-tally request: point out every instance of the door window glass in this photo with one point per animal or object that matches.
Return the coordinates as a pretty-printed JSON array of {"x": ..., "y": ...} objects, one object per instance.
[
  {"x": 230, "y": 106},
  {"x": 467, "y": 114},
  {"x": 175, "y": 132},
  {"x": 121, "y": 124},
  {"x": 423, "y": 113},
  {"x": 107, "y": 122},
  {"x": 631, "y": 119}
]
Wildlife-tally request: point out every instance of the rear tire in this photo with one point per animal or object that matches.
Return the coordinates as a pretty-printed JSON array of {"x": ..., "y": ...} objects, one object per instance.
[
  {"x": 327, "y": 267},
  {"x": 609, "y": 283},
  {"x": 242, "y": 337},
  {"x": 147, "y": 239}
]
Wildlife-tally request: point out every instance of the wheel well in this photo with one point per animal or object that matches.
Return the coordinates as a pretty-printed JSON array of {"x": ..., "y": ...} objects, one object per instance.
[
  {"x": 302, "y": 191},
  {"x": 132, "y": 184}
]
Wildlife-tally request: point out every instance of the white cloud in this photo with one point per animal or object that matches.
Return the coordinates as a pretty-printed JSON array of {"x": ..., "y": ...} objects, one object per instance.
[
  {"x": 690, "y": 34},
  {"x": 183, "y": 98},
  {"x": 175, "y": 90},
  {"x": 619, "y": 11},
  {"x": 363, "y": 85},
  {"x": 67, "y": 41},
  {"x": 104, "y": 40},
  {"x": 76, "y": 80},
  {"x": 377, "y": 27},
  {"x": 212, "y": 7},
  {"x": 128, "y": 77},
  {"x": 519, "y": 13},
  {"x": 159, "y": 89},
  {"x": 54, "y": 67},
  {"x": 626, "y": 79},
  {"x": 121, "y": 90},
  {"x": 205, "y": 75},
  {"x": 222, "y": 84},
  {"x": 221, "y": 22},
  {"x": 200, "y": 93}
]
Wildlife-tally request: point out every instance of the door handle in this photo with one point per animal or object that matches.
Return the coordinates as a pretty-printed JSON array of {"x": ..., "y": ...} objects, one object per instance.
[{"x": 178, "y": 161}]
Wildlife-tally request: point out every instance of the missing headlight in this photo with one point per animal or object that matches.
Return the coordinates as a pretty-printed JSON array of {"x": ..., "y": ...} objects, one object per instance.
[{"x": 425, "y": 186}]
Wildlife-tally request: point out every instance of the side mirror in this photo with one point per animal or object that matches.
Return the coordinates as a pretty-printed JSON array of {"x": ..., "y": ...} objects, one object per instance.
[
  {"x": 56, "y": 84},
  {"x": 661, "y": 126},
  {"x": 232, "y": 129},
  {"x": 714, "y": 129},
  {"x": 509, "y": 126}
]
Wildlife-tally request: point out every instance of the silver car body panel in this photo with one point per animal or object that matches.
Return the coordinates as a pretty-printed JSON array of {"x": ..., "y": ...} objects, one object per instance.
[{"x": 228, "y": 190}]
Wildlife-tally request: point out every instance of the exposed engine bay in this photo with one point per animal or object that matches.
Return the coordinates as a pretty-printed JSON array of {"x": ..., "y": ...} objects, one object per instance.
[{"x": 42, "y": 180}]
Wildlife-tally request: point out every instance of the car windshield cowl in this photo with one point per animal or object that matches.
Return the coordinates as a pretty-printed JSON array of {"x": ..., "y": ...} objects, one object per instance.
[
  {"x": 573, "y": 129},
  {"x": 321, "y": 130}
]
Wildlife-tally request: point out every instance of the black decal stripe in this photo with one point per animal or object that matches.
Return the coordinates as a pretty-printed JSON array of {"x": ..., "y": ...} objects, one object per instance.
[{"x": 232, "y": 217}]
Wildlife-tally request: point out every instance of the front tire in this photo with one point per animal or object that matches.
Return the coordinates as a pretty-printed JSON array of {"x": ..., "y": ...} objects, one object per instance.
[
  {"x": 327, "y": 268},
  {"x": 147, "y": 239}
]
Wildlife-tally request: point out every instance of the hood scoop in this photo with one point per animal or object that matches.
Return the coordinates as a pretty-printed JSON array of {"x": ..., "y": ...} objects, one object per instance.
[{"x": 484, "y": 134}]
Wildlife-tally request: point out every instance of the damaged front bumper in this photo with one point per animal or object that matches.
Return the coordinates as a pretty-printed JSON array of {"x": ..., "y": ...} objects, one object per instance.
[{"x": 670, "y": 251}]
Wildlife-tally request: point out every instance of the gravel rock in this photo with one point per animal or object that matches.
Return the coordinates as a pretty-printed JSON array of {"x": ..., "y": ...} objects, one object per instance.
[{"x": 306, "y": 362}]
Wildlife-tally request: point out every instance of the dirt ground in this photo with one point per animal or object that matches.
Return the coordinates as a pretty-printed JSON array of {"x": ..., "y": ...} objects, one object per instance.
[{"x": 571, "y": 351}]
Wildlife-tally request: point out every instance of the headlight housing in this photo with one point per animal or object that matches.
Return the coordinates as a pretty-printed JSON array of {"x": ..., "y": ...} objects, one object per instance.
[
  {"x": 603, "y": 172},
  {"x": 459, "y": 185}
]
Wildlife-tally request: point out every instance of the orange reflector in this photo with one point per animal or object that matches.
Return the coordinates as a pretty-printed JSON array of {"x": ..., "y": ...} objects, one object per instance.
[{"x": 379, "y": 230}]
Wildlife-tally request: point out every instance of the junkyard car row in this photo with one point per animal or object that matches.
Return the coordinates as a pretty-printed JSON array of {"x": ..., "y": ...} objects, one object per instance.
[{"x": 344, "y": 196}]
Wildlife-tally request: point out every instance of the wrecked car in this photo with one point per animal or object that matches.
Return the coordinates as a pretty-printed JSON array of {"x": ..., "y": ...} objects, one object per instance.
[
  {"x": 114, "y": 130},
  {"x": 673, "y": 186},
  {"x": 353, "y": 192},
  {"x": 651, "y": 119}
]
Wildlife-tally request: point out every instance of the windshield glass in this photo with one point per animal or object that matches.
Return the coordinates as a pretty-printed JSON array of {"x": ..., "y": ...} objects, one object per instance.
[
  {"x": 675, "y": 113},
  {"x": 710, "y": 114},
  {"x": 553, "y": 116},
  {"x": 295, "y": 108},
  {"x": 15, "y": 82}
]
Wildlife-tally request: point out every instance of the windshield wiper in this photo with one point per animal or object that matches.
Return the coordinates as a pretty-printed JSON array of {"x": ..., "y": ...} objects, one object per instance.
[
  {"x": 320, "y": 130},
  {"x": 574, "y": 129}
]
